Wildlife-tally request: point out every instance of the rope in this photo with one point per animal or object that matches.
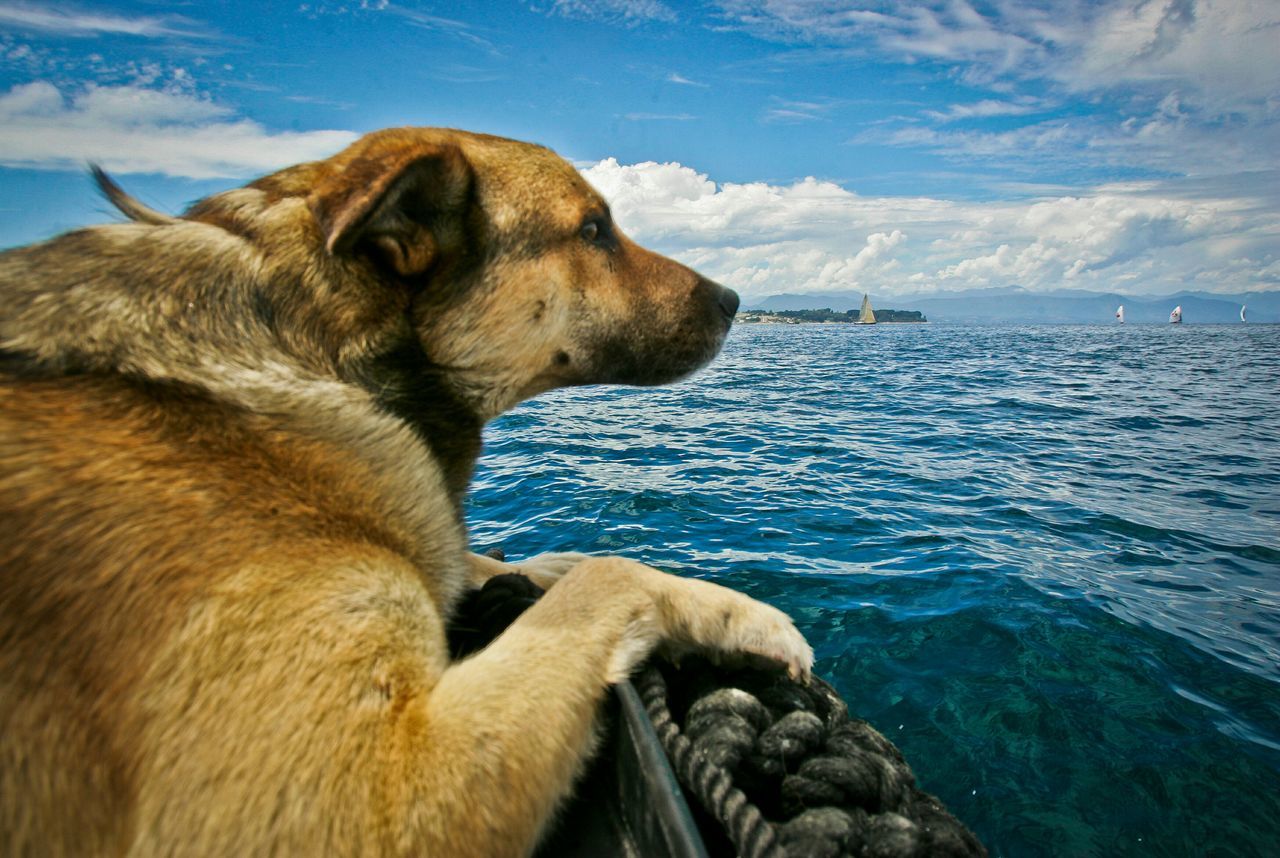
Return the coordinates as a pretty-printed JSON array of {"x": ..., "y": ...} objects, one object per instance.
[
  {"x": 780, "y": 767},
  {"x": 785, "y": 771},
  {"x": 703, "y": 772}
]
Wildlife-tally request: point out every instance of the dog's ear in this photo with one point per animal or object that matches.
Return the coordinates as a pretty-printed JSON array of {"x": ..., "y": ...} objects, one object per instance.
[{"x": 396, "y": 206}]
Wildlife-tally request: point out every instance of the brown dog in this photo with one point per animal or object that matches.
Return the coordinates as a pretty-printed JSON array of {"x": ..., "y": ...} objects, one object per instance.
[{"x": 234, "y": 450}]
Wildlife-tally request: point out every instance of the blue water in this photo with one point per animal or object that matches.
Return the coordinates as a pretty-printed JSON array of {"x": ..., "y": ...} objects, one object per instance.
[{"x": 1045, "y": 561}]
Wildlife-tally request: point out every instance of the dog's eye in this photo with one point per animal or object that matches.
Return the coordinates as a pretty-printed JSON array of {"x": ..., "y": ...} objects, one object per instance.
[{"x": 598, "y": 230}]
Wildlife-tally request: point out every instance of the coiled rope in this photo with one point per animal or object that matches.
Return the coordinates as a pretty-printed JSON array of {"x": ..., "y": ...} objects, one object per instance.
[{"x": 780, "y": 767}]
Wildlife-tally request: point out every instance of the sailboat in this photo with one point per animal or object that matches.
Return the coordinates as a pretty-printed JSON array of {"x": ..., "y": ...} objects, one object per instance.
[
  {"x": 1242, "y": 306},
  {"x": 867, "y": 316},
  {"x": 1175, "y": 318},
  {"x": 1120, "y": 313}
]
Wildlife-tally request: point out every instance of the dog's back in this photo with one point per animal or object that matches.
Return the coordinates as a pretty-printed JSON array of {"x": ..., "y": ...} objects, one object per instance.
[{"x": 158, "y": 543}]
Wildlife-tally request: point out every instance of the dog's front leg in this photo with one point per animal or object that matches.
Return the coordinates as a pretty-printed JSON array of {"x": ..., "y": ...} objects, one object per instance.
[{"x": 505, "y": 732}]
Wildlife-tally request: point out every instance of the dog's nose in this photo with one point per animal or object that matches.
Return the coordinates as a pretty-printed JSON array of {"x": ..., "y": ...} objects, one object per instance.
[
  {"x": 728, "y": 301},
  {"x": 711, "y": 292}
]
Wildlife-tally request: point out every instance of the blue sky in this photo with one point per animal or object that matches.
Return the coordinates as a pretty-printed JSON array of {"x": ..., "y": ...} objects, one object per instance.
[{"x": 778, "y": 146}]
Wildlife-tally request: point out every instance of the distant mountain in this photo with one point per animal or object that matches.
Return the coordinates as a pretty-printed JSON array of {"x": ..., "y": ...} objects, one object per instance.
[
  {"x": 1014, "y": 304},
  {"x": 812, "y": 301}
]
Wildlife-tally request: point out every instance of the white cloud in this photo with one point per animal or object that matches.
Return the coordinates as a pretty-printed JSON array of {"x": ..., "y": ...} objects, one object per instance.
[
  {"x": 676, "y": 77},
  {"x": 135, "y": 129},
  {"x": 1220, "y": 51},
  {"x": 816, "y": 236},
  {"x": 783, "y": 114},
  {"x": 678, "y": 205},
  {"x": 423, "y": 20},
  {"x": 626, "y": 11},
  {"x": 984, "y": 109},
  {"x": 1166, "y": 138},
  {"x": 1223, "y": 50},
  {"x": 1046, "y": 139},
  {"x": 659, "y": 117},
  {"x": 950, "y": 31},
  {"x": 69, "y": 21},
  {"x": 790, "y": 111},
  {"x": 1216, "y": 58}
]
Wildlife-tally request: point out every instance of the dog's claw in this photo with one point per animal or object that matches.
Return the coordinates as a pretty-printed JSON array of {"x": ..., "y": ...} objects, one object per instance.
[{"x": 800, "y": 671}]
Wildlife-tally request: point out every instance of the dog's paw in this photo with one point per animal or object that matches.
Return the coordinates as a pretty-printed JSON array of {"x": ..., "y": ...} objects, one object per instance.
[
  {"x": 732, "y": 627},
  {"x": 546, "y": 569},
  {"x": 769, "y": 634}
]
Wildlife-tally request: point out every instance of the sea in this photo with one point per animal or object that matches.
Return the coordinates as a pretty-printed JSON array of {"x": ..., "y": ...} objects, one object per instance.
[{"x": 1044, "y": 561}]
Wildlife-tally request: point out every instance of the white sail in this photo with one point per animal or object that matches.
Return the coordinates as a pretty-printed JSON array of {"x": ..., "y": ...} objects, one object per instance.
[
  {"x": 867, "y": 316},
  {"x": 1120, "y": 313},
  {"x": 1175, "y": 318},
  {"x": 1242, "y": 306}
]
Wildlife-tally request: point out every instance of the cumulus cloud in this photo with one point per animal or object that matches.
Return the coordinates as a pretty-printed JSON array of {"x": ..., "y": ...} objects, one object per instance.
[
  {"x": 136, "y": 129},
  {"x": 816, "y": 236},
  {"x": 678, "y": 204}
]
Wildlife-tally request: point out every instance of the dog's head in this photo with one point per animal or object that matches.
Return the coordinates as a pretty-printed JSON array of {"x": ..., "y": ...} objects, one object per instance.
[{"x": 505, "y": 265}]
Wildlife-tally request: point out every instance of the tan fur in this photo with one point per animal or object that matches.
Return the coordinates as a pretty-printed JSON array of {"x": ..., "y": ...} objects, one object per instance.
[{"x": 233, "y": 453}]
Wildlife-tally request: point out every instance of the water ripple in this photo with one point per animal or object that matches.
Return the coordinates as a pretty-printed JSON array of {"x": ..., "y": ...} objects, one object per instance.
[{"x": 1044, "y": 560}]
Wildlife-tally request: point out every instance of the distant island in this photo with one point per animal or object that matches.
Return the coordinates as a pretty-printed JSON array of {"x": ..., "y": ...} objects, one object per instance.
[
  {"x": 827, "y": 315},
  {"x": 1021, "y": 306}
]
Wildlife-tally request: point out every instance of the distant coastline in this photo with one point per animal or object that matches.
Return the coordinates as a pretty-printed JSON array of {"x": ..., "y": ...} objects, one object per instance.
[
  {"x": 1017, "y": 305},
  {"x": 828, "y": 316}
]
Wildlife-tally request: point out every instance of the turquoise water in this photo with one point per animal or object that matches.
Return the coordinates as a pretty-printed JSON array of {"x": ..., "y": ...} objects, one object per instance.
[{"x": 1045, "y": 561}]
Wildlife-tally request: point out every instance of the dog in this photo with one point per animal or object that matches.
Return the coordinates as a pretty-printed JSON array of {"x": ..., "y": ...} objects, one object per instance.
[{"x": 234, "y": 454}]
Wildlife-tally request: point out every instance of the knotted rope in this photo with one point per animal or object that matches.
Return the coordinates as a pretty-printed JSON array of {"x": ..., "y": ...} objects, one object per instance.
[
  {"x": 780, "y": 767},
  {"x": 786, "y": 772}
]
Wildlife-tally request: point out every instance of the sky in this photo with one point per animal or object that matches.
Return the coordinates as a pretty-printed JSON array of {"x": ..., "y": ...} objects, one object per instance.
[{"x": 775, "y": 145}]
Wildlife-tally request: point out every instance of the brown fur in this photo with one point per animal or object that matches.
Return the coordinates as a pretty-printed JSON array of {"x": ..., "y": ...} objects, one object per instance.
[{"x": 233, "y": 452}]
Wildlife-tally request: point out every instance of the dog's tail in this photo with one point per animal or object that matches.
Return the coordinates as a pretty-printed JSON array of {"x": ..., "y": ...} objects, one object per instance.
[{"x": 127, "y": 205}]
